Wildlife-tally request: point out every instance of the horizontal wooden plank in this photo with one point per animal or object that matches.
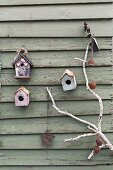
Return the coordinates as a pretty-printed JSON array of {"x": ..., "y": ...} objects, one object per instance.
[
  {"x": 56, "y": 12},
  {"x": 0, "y": 74},
  {"x": 39, "y": 93},
  {"x": 54, "y": 157},
  {"x": 55, "y": 124},
  {"x": 72, "y": 167},
  {"x": 58, "y": 58},
  {"x": 43, "y": 2},
  {"x": 80, "y": 107},
  {"x": 52, "y": 76},
  {"x": 39, "y": 109},
  {"x": 35, "y": 109},
  {"x": 55, "y": 29},
  {"x": 48, "y": 44},
  {"x": 34, "y": 142}
]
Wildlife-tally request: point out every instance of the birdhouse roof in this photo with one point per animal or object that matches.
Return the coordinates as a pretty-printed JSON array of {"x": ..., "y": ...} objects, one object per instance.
[
  {"x": 69, "y": 73},
  {"x": 19, "y": 56},
  {"x": 23, "y": 89}
]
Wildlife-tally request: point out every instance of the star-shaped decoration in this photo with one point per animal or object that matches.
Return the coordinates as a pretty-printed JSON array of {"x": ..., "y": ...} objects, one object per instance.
[{"x": 47, "y": 138}]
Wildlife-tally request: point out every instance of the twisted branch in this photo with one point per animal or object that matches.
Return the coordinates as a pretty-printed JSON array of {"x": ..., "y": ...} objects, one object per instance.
[{"x": 91, "y": 126}]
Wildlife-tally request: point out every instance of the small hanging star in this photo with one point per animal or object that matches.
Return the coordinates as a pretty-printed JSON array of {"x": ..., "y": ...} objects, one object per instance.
[{"x": 47, "y": 138}]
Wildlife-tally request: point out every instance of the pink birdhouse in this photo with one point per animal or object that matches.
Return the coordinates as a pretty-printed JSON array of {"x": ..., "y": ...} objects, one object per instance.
[
  {"x": 22, "y": 64},
  {"x": 22, "y": 97}
]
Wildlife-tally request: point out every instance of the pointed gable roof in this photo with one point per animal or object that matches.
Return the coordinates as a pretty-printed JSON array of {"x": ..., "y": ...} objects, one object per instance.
[
  {"x": 23, "y": 89},
  {"x": 22, "y": 53},
  {"x": 69, "y": 73}
]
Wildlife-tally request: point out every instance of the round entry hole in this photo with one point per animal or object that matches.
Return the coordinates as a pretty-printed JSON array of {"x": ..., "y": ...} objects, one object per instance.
[
  {"x": 68, "y": 82},
  {"x": 21, "y": 98},
  {"x": 22, "y": 64}
]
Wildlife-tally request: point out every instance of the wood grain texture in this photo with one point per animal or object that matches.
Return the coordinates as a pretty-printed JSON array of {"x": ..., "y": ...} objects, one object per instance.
[
  {"x": 55, "y": 28},
  {"x": 55, "y": 125},
  {"x": 35, "y": 109},
  {"x": 57, "y": 157},
  {"x": 39, "y": 109},
  {"x": 81, "y": 107},
  {"x": 39, "y": 93},
  {"x": 52, "y": 76},
  {"x": 43, "y": 2},
  {"x": 35, "y": 167},
  {"x": 0, "y": 75},
  {"x": 50, "y": 44},
  {"x": 56, "y": 12},
  {"x": 58, "y": 59},
  {"x": 34, "y": 142}
]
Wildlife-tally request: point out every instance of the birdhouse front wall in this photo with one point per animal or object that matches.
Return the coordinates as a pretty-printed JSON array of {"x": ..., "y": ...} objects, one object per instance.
[
  {"x": 21, "y": 99},
  {"x": 22, "y": 69},
  {"x": 68, "y": 83}
]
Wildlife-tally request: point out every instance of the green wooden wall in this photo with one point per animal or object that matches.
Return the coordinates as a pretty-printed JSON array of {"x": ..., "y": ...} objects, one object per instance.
[{"x": 52, "y": 32}]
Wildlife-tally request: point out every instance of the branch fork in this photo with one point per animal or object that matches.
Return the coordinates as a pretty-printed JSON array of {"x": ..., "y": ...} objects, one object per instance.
[{"x": 96, "y": 130}]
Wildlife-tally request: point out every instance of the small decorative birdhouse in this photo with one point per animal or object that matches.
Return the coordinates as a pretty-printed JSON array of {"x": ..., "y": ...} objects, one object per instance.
[
  {"x": 68, "y": 80},
  {"x": 22, "y": 97},
  {"x": 22, "y": 64}
]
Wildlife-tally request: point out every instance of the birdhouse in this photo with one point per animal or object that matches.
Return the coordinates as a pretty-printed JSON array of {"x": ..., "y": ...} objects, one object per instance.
[
  {"x": 68, "y": 80},
  {"x": 22, "y": 97},
  {"x": 22, "y": 64},
  {"x": 94, "y": 45}
]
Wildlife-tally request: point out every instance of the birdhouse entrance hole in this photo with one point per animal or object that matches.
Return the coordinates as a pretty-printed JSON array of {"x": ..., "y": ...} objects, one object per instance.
[
  {"x": 68, "y": 82},
  {"x": 22, "y": 64},
  {"x": 21, "y": 98}
]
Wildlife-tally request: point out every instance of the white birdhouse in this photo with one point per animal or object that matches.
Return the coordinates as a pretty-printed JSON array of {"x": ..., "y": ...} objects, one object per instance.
[{"x": 68, "y": 80}]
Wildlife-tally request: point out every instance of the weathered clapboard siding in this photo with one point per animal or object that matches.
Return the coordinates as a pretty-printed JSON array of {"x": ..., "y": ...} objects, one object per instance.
[
  {"x": 94, "y": 167},
  {"x": 50, "y": 44},
  {"x": 57, "y": 157},
  {"x": 58, "y": 58},
  {"x": 55, "y": 28},
  {"x": 55, "y": 124},
  {"x": 0, "y": 78},
  {"x": 56, "y": 12},
  {"x": 7, "y": 110},
  {"x": 34, "y": 142},
  {"x": 51, "y": 76},
  {"x": 52, "y": 47},
  {"x": 43, "y": 2},
  {"x": 39, "y": 93}
]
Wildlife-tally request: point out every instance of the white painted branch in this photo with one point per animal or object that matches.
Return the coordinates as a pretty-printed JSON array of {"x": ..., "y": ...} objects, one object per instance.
[
  {"x": 80, "y": 136},
  {"x": 80, "y": 59},
  {"x": 91, "y": 91},
  {"x": 69, "y": 114},
  {"x": 92, "y": 152},
  {"x": 107, "y": 142},
  {"x": 90, "y": 126}
]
